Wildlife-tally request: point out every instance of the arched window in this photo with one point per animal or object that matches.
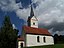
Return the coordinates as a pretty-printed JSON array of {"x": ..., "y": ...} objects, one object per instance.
[
  {"x": 38, "y": 39},
  {"x": 44, "y": 39}
]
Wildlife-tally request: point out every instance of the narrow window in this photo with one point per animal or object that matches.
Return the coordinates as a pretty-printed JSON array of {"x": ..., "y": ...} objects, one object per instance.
[
  {"x": 38, "y": 39},
  {"x": 33, "y": 23},
  {"x": 44, "y": 39}
]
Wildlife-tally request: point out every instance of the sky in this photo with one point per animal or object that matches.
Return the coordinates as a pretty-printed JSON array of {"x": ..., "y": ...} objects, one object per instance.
[{"x": 50, "y": 13}]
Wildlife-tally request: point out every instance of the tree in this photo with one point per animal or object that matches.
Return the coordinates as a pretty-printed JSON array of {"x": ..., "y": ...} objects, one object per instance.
[
  {"x": 8, "y": 35},
  {"x": 56, "y": 38}
]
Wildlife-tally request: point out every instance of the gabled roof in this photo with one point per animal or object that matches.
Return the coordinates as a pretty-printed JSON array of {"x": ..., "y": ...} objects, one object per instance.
[
  {"x": 20, "y": 39},
  {"x": 32, "y": 30}
]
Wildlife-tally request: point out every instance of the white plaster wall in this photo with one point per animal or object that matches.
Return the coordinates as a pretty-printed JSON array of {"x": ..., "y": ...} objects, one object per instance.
[
  {"x": 31, "y": 40},
  {"x": 19, "y": 44},
  {"x": 34, "y": 20}
]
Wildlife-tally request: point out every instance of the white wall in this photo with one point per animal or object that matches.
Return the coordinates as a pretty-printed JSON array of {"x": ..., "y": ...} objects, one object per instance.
[
  {"x": 31, "y": 40},
  {"x": 34, "y": 20},
  {"x": 19, "y": 44}
]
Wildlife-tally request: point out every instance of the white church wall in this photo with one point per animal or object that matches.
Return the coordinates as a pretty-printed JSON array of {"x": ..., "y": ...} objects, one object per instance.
[
  {"x": 31, "y": 40},
  {"x": 19, "y": 44},
  {"x": 34, "y": 20}
]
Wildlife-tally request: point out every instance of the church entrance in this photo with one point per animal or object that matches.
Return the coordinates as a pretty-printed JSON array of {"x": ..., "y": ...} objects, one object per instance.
[{"x": 21, "y": 44}]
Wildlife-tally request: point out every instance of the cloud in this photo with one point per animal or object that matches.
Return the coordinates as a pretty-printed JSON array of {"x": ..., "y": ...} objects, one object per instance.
[
  {"x": 56, "y": 32},
  {"x": 23, "y": 13},
  {"x": 50, "y": 13},
  {"x": 56, "y": 27},
  {"x": 9, "y": 5},
  {"x": 46, "y": 11}
]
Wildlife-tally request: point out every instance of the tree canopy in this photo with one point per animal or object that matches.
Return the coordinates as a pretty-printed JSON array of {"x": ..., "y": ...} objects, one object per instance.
[
  {"x": 58, "y": 39},
  {"x": 8, "y": 35}
]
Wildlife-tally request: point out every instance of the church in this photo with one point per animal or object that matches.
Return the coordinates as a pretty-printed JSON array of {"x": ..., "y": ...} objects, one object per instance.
[{"x": 34, "y": 36}]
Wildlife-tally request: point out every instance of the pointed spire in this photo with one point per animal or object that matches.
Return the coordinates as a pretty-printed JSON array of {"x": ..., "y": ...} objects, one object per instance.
[{"x": 31, "y": 13}]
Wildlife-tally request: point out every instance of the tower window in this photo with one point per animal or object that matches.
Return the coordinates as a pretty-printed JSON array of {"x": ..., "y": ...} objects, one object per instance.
[
  {"x": 44, "y": 39},
  {"x": 33, "y": 23},
  {"x": 38, "y": 39}
]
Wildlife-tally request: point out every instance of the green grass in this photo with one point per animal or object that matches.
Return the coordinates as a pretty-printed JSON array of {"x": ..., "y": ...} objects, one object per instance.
[{"x": 49, "y": 46}]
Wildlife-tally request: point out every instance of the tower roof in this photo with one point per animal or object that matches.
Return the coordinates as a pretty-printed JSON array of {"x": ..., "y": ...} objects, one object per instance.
[{"x": 31, "y": 13}]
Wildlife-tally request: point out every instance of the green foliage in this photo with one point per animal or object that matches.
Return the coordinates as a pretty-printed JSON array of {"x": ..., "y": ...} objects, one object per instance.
[
  {"x": 8, "y": 36},
  {"x": 50, "y": 46},
  {"x": 58, "y": 39}
]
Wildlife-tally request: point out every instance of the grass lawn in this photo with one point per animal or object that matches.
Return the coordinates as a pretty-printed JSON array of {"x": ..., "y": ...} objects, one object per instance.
[{"x": 50, "y": 46}]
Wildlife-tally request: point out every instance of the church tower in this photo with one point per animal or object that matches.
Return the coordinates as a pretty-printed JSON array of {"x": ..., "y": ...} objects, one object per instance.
[{"x": 32, "y": 20}]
